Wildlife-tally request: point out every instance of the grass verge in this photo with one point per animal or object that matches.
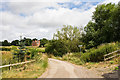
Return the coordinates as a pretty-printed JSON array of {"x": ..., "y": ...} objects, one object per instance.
[{"x": 32, "y": 70}]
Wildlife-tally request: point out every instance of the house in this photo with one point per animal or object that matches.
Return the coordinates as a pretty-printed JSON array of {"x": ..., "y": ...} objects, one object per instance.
[{"x": 36, "y": 43}]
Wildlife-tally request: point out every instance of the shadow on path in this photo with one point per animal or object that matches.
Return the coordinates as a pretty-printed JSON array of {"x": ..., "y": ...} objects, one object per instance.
[{"x": 114, "y": 74}]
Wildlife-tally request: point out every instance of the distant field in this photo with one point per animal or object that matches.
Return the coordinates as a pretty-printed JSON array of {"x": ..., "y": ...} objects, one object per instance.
[
  {"x": 8, "y": 52},
  {"x": 8, "y": 48}
]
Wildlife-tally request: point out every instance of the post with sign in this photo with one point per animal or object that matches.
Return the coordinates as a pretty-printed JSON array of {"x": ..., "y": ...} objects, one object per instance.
[{"x": 80, "y": 48}]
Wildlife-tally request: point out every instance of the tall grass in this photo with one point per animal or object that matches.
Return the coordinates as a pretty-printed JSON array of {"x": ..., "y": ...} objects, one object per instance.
[
  {"x": 10, "y": 57},
  {"x": 21, "y": 71},
  {"x": 6, "y": 57},
  {"x": 96, "y": 55},
  {"x": 31, "y": 70},
  {"x": 92, "y": 55},
  {"x": 41, "y": 49}
]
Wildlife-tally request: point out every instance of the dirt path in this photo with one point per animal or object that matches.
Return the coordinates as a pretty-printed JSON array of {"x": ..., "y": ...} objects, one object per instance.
[{"x": 62, "y": 69}]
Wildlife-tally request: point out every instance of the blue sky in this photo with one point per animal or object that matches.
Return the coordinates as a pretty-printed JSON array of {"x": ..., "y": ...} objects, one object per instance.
[
  {"x": 41, "y": 18},
  {"x": 71, "y": 5}
]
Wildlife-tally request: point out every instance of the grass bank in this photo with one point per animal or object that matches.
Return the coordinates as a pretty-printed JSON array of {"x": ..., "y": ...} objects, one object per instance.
[{"x": 31, "y": 70}]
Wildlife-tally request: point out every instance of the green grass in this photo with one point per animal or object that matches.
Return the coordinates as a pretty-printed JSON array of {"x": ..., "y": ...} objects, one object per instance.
[
  {"x": 41, "y": 49},
  {"x": 6, "y": 57},
  {"x": 32, "y": 70},
  {"x": 97, "y": 54}
]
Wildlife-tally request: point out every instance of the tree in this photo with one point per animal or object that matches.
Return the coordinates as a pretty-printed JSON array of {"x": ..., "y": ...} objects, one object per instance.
[
  {"x": 5, "y": 43},
  {"x": 15, "y": 43},
  {"x": 64, "y": 41},
  {"x": 116, "y": 22},
  {"x": 20, "y": 53},
  {"x": 57, "y": 48},
  {"x": 70, "y": 36},
  {"x": 104, "y": 27},
  {"x": 103, "y": 17},
  {"x": 89, "y": 37},
  {"x": 0, "y": 43},
  {"x": 43, "y": 42},
  {"x": 28, "y": 41},
  {"x": 34, "y": 39}
]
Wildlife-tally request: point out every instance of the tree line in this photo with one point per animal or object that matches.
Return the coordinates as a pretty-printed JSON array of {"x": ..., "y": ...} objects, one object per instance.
[
  {"x": 103, "y": 28},
  {"x": 28, "y": 42}
]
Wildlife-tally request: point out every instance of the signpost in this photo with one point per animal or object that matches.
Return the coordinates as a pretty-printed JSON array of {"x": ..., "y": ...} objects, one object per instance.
[{"x": 80, "y": 48}]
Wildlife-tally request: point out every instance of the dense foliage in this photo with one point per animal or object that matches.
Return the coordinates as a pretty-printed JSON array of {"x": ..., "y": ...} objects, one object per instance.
[
  {"x": 95, "y": 55},
  {"x": 66, "y": 40},
  {"x": 5, "y": 43},
  {"x": 92, "y": 55},
  {"x": 43, "y": 42},
  {"x": 70, "y": 36},
  {"x": 57, "y": 48},
  {"x": 28, "y": 42},
  {"x": 104, "y": 27}
]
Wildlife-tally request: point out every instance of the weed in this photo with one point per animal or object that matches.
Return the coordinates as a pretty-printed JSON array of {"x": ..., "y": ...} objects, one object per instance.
[
  {"x": 111, "y": 62},
  {"x": 116, "y": 68}
]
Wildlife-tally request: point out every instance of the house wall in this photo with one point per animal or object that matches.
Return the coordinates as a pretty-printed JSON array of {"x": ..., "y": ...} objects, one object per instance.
[{"x": 36, "y": 43}]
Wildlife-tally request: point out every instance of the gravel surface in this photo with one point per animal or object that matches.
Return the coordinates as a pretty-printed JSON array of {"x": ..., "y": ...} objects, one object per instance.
[{"x": 63, "y": 69}]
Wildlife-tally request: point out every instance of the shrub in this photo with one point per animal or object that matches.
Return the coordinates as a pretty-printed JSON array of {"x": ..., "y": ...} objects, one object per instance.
[
  {"x": 32, "y": 52},
  {"x": 111, "y": 62},
  {"x": 117, "y": 68},
  {"x": 57, "y": 48},
  {"x": 96, "y": 55},
  {"x": 5, "y": 48}
]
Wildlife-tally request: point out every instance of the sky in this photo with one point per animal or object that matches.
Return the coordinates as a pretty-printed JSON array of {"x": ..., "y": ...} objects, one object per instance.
[{"x": 42, "y": 18}]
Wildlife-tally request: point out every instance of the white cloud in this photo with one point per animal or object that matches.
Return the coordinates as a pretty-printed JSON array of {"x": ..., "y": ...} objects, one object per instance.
[
  {"x": 37, "y": 20},
  {"x": 112, "y": 1},
  {"x": 35, "y": 0}
]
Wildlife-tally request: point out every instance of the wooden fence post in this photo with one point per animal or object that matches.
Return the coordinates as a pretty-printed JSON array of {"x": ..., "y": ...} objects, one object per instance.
[{"x": 9, "y": 66}]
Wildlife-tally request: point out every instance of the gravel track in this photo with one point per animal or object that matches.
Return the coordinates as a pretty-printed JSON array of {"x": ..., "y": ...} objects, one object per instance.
[{"x": 63, "y": 69}]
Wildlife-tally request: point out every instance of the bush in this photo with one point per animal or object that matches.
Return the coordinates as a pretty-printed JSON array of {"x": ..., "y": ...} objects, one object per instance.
[
  {"x": 5, "y": 48},
  {"x": 57, "y": 48},
  {"x": 96, "y": 55},
  {"x": 32, "y": 52}
]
